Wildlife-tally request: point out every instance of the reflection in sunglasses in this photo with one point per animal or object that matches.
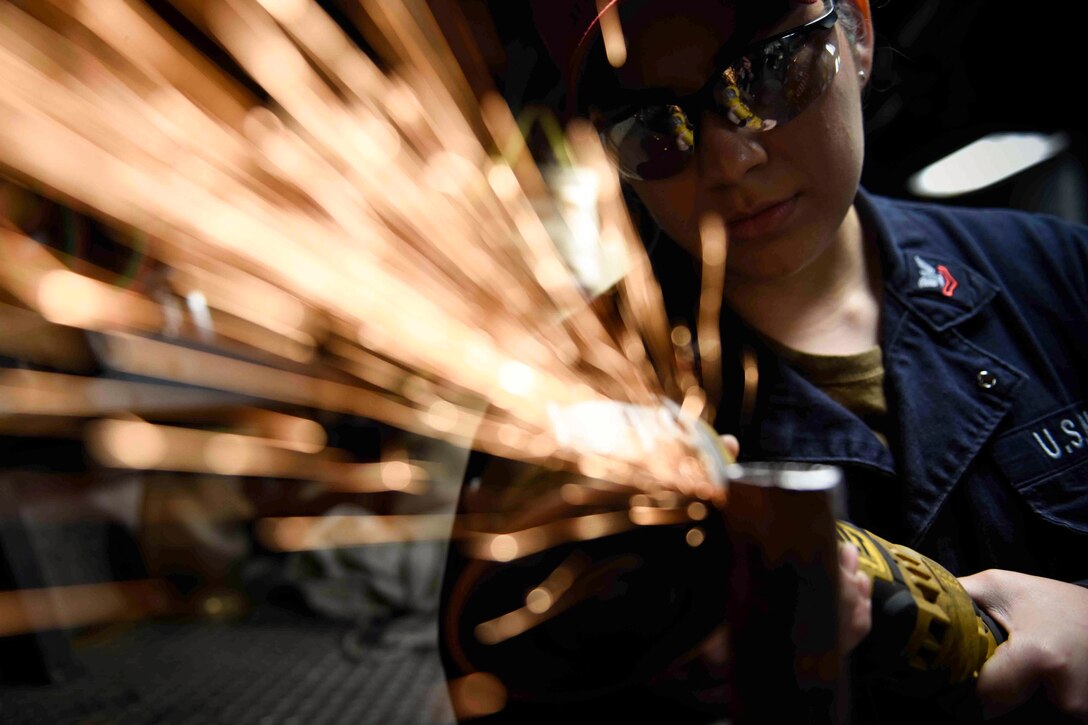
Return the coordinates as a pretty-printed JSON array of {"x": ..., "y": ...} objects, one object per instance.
[{"x": 772, "y": 83}]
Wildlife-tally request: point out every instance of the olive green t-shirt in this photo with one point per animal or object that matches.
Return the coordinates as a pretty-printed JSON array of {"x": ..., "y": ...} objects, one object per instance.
[{"x": 854, "y": 381}]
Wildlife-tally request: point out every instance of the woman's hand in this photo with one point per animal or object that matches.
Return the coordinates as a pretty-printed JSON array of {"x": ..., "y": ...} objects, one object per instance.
[
  {"x": 731, "y": 445},
  {"x": 1047, "y": 622},
  {"x": 855, "y": 600}
]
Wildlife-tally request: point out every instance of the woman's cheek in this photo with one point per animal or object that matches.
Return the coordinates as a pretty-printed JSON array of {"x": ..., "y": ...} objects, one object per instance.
[{"x": 673, "y": 205}]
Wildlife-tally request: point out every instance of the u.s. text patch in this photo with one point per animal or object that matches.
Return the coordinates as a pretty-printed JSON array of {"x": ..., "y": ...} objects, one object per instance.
[{"x": 1047, "y": 445}]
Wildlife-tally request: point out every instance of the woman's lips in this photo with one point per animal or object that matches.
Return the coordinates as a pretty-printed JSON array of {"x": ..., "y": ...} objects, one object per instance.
[{"x": 763, "y": 221}]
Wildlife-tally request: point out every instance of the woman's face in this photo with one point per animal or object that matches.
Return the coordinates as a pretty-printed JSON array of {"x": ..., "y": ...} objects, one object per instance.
[{"x": 785, "y": 192}]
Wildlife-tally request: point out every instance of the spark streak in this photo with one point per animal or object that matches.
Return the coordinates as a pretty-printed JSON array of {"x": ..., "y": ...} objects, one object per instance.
[{"x": 35, "y": 610}]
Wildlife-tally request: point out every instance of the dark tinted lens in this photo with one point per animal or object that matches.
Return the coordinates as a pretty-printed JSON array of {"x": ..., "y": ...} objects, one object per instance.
[
  {"x": 770, "y": 85},
  {"x": 775, "y": 82},
  {"x": 654, "y": 143}
]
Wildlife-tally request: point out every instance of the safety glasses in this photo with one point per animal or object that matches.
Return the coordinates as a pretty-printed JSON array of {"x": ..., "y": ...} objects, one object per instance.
[{"x": 768, "y": 85}]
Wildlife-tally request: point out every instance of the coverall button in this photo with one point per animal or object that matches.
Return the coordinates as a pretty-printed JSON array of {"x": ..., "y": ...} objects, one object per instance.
[{"x": 986, "y": 379}]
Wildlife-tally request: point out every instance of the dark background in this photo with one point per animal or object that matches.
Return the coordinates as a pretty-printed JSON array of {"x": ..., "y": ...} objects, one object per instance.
[
  {"x": 947, "y": 72},
  {"x": 950, "y": 71}
]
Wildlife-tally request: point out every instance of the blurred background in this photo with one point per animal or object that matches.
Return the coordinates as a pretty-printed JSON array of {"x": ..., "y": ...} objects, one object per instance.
[{"x": 134, "y": 592}]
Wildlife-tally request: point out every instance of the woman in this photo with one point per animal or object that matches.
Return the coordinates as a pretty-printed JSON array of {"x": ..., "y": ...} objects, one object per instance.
[{"x": 936, "y": 355}]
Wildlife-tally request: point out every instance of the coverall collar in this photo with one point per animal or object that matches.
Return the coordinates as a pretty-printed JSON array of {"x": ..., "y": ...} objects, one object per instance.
[{"x": 934, "y": 373}]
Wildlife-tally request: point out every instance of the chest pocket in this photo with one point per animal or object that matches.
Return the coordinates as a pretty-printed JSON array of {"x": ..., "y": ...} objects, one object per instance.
[{"x": 1047, "y": 462}]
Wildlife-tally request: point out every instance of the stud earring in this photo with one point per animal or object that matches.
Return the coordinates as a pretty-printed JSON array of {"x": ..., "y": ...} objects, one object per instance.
[{"x": 861, "y": 74}]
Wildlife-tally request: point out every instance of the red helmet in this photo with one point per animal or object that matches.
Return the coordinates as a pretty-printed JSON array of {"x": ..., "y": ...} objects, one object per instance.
[{"x": 570, "y": 29}]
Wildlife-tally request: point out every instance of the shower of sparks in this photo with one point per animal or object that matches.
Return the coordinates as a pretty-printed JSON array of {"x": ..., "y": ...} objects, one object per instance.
[{"x": 354, "y": 244}]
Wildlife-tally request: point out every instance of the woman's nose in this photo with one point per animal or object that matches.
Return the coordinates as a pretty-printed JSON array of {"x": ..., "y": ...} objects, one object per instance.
[{"x": 725, "y": 152}]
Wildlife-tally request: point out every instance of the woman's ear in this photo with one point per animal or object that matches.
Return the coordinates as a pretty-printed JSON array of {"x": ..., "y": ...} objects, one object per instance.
[{"x": 863, "y": 44}]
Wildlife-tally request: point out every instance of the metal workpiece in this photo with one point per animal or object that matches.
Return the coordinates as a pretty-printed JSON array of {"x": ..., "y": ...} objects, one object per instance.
[{"x": 783, "y": 609}]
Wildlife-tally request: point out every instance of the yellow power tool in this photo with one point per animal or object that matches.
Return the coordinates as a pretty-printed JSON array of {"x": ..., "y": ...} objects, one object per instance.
[
  {"x": 928, "y": 639},
  {"x": 926, "y": 628}
]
